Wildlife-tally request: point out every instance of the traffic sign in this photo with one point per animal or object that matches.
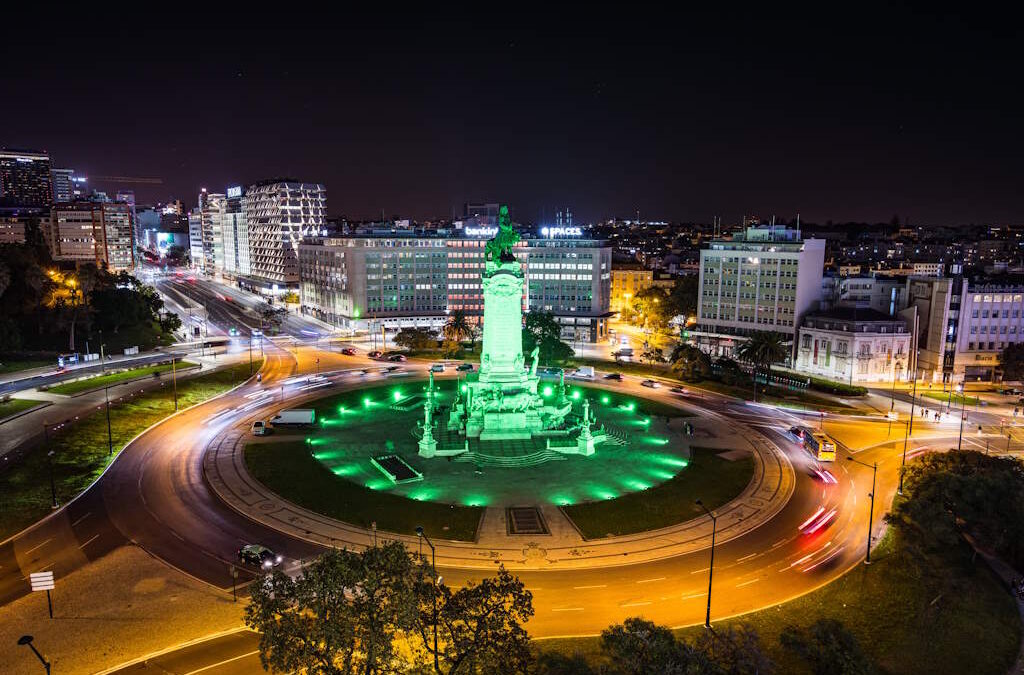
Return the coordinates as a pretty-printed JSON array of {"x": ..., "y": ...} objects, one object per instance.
[{"x": 41, "y": 581}]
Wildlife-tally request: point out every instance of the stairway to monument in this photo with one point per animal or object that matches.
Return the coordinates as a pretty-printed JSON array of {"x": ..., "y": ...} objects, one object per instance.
[{"x": 535, "y": 458}]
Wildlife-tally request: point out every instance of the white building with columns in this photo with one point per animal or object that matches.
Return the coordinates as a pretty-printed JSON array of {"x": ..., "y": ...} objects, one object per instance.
[{"x": 855, "y": 346}]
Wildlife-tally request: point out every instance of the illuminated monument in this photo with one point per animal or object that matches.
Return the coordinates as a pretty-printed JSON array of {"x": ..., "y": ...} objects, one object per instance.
[{"x": 501, "y": 400}]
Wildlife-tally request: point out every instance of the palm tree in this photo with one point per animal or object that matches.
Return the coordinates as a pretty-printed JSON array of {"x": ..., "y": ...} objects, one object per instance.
[
  {"x": 458, "y": 327},
  {"x": 761, "y": 351}
]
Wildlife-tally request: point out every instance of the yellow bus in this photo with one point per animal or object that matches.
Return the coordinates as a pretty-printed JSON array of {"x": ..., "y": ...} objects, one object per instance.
[{"x": 821, "y": 446}]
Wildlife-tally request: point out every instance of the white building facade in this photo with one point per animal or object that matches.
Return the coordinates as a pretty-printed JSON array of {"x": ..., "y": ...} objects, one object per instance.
[
  {"x": 855, "y": 346},
  {"x": 279, "y": 213}
]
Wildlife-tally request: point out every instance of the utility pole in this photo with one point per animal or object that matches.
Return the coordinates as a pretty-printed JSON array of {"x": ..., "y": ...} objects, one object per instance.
[
  {"x": 110, "y": 437},
  {"x": 711, "y": 567},
  {"x": 910, "y": 431},
  {"x": 871, "y": 508}
]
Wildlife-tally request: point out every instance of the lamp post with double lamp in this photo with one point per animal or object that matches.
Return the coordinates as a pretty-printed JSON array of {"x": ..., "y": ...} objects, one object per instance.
[
  {"x": 26, "y": 641},
  {"x": 871, "y": 509},
  {"x": 910, "y": 431},
  {"x": 711, "y": 567},
  {"x": 433, "y": 566}
]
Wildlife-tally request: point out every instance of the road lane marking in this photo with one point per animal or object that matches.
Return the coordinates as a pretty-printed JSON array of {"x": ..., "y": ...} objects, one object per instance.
[
  {"x": 94, "y": 537},
  {"x": 634, "y": 604},
  {"x": 694, "y": 595},
  {"x": 699, "y": 571},
  {"x": 647, "y": 581},
  {"x": 779, "y": 543},
  {"x": 176, "y": 535},
  {"x": 568, "y": 609},
  {"x": 803, "y": 560},
  {"x": 81, "y": 519},
  {"x": 38, "y": 546},
  {"x": 747, "y": 583},
  {"x": 747, "y": 557},
  {"x": 221, "y": 663},
  {"x": 583, "y": 588}
]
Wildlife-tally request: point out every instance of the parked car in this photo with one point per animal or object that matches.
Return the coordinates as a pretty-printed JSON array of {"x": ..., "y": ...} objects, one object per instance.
[
  {"x": 348, "y": 351},
  {"x": 437, "y": 368},
  {"x": 614, "y": 376},
  {"x": 259, "y": 556},
  {"x": 376, "y": 354},
  {"x": 397, "y": 357},
  {"x": 651, "y": 384},
  {"x": 260, "y": 428},
  {"x": 463, "y": 367}
]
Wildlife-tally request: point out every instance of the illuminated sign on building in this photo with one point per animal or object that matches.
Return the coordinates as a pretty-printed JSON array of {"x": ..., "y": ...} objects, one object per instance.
[
  {"x": 235, "y": 191},
  {"x": 481, "y": 231},
  {"x": 552, "y": 232}
]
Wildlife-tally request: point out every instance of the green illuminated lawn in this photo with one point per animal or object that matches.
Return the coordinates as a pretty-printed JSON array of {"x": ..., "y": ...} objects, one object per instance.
[
  {"x": 287, "y": 468},
  {"x": 82, "y": 447},
  {"x": 935, "y": 614},
  {"x": 100, "y": 381},
  {"x": 955, "y": 400},
  {"x": 713, "y": 480},
  {"x": 15, "y": 406}
]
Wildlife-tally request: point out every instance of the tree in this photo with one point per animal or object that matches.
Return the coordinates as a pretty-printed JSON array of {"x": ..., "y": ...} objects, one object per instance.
[
  {"x": 640, "y": 647},
  {"x": 828, "y": 647},
  {"x": 735, "y": 650},
  {"x": 416, "y": 338},
  {"x": 1012, "y": 360},
  {"x": 729, "y": 371},
  {"x": 652, "y": 354},
  {"x": 762, "y": 350},
  {"x": 682, "y": 299},
  {"x": 271, "y": 317},
  {"x": 480, "y": 625},
  {"x": 170, "y": 322},
  {"x": 690, "y": 363},
  {"x": 541, "y": 330},
  {"x": 553, "y": 663},
  {"x": 458, "y": 328},
  {"x": 341, "y": 615}
]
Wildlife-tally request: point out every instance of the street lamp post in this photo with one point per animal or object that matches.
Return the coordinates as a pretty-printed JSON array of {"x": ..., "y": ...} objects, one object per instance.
[
  {"x": 26, "y": 641},
  {"x": 711, "y": 568},
  {"x": 174, "y": 380},
  {"x": 963, "y": 414},
  {"x": 871, "y": 509},
  {"x": 110, "y": 436},
  {"x": 910, "y": 431},
  {"x": 433, "y": 565}
]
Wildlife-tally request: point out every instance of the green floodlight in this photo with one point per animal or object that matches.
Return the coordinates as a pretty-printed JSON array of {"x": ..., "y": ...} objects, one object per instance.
[
  {"x": 605, "y": 400},
  {"x": 465, "y": 388},
  {"x": 398, "y": 396},
  {"x": 576, "y": 395},
  {"x": 547, "y": 391},
  {"x": 366, "y": 402},
  {"x": 342, "y": 409},
  {"x": 631, "y": 406}
]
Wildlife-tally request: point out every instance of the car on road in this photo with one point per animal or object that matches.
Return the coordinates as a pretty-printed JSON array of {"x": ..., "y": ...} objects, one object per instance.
[
  {"x": 259, "y": 556},
  {"x": 818, "y": 521},
  {"x": 397, "y": 357},
  {"x": 375, "y": 354},
  {"x": 651, "y": 384},
  {"x": 582, "y": 373},
  {"x": 550, "y": 372},
  {"x": 233, "y": 332},
  {"x": 614, "y": 376},
  {"x": 391, "y": 369},
  {"x": 437, "y": 368},
  {"x": 682, "y": 391},
  {"x": 348, "y": 351},
  {"x": 260, "y": 428},
  {"x": 464, "y": 367}
]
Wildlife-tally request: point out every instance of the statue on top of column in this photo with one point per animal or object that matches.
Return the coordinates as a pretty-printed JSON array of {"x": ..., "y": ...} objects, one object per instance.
[{"x": 499, "y": 249}]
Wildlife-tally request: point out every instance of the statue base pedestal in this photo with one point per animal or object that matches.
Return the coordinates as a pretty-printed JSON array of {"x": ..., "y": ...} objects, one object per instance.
[{"x": 428, "y": 447}]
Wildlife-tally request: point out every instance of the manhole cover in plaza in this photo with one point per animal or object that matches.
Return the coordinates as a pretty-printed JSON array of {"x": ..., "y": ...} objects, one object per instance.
[{"x": 525, "y": 520}]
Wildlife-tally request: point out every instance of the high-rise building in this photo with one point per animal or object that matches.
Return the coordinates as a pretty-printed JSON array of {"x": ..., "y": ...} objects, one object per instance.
[
  {"x": 211, "y": 210},
  {"x": 25, "y": 179},
  {"x": 195, "y": 239},
  {"x": 235, "y": 235},
  {"x": 96, "y": 232},
  {"x": 63, "y": 186},
  {"x": 279, "y": 212},
  {"x": 766, "y": 279}
]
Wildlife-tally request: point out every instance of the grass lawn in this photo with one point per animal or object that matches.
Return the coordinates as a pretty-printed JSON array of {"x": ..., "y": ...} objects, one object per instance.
[
  {"x": 100, "y": 381},
  {"x": 15, "y": 406},
  {"x": 709, "y": 478},
  {"x": 938, "y": 614},
  {"x": 15, "y": 366},
  {"x": 81, "y": 448},
  {"x": 287, "y": 468},
  {"x": 955, "y": 400}
]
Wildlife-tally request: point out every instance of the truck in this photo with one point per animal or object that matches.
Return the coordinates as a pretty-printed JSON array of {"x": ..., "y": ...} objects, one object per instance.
[
  {"x": 294, "y": 416},
  {"x": 583, "y": 373}
]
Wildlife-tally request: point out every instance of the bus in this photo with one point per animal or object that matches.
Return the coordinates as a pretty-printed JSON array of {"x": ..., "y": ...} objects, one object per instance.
[{"x": 820, "y": 446}]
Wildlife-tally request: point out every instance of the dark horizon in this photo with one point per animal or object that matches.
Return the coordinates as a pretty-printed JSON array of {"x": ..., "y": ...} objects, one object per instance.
[{"x": 843, "y": 118}]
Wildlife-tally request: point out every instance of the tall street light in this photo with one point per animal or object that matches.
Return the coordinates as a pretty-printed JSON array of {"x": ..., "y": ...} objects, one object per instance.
[
  {"x": 960, "y": 441},
  {"x": 110, "y": 436},
  {"x": 433, "y": 565},
  {"x": 910, "y": 430},
  {"x": 174, "y": 380},
  {"x": 711, "y": 568},
  {"x": 26, "y": 641},
  {"x": 871, "y": 509}
]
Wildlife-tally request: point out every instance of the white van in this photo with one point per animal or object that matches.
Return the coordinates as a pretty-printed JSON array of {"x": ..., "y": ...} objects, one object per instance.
[{"x": 437, "y": 368}]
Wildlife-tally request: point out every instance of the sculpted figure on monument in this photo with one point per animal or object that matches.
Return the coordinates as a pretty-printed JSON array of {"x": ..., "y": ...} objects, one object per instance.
[{"x": 499, "y": 249}]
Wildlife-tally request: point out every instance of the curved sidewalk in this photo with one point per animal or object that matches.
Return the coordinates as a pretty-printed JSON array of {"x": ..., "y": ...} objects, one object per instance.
[{"x": 564, "y": 549}]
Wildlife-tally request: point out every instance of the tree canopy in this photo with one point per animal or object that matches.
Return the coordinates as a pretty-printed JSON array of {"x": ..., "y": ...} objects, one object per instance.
[{"x": 541, "y": 330}]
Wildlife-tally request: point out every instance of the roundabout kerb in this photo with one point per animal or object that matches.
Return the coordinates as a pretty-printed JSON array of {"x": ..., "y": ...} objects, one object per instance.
[{"x": 562, "y": 548}]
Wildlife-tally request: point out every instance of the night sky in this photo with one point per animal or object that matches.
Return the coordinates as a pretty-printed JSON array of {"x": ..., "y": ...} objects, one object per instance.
[{"x": 838, "y": 117}]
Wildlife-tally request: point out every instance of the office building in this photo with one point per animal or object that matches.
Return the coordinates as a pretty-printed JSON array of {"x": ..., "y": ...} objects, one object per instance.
[
  {"x": 399, "y": 278},
  {"x": 990, "y": 320},
  {"x": 279, "y": 213},
  {"x": 765, "y": 279},
  {"x": 211, "y": 209},
  {"x": 234, "y": 229},
  {"x": 97, "y": 232},
  {"x": 855, "y": 346},
  {"x": 25, "y": 179},
  {"x": 63, "y": 184},
  {"x": 195, "y": 239}
]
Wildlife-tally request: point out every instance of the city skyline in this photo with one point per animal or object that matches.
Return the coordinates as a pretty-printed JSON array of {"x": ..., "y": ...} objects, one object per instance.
[{"x": 892, "y": 114}]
